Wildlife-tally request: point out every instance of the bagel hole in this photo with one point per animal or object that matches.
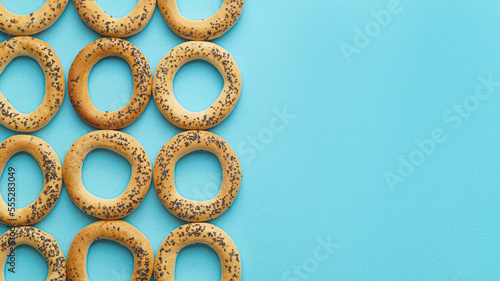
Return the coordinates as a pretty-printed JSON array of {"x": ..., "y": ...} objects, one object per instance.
[
  {"x": 207, "y": 264},
  {"x": 23, "y": 84},
  {"x": 198, "y": 10},
  {"x": 23, "y": 7},
  {"x": 111, "y": 84},
  {"x": 197, "y": 85},
  {"x": 106, "y": 173},
  {"x": 28, "y": 264},
  {"x": 108, "y": 260},
  {"x": 198, "y": 176},
  {"x": 117, "y": 11},
  {"x": 27, "y": 178}
]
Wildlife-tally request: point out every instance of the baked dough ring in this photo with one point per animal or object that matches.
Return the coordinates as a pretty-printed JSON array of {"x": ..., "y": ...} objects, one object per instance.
[
  {"x": 52, "y": 174},
  {"x": 172, "y": 151},
  {"x": 34, "y": 22},
  {"x": 205, "y": 29},
  {"x": 164, "y": 80},
  {"x": 79, "y": 76},
  {"x": 137, "y": 188},
  {"x": 197, "y": 233},
  {"x": 54, "y": 84},
  {"x": 101, "y": 22},
  {"x": 41, "y": 241},
  {"x": 119, "y": 231}
]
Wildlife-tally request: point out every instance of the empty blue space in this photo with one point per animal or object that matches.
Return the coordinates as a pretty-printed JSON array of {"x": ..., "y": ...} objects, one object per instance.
[
  {"x": 109, "y": 260},
  {"x": 198, "y": 9},
  {"x": 198, "y": 262},
  {"x": 117, "y": 11},
  {"x": 197, "y": 85},
  {"x": 111, "y": 84},
  {"x": 106, "y": 173},
  {"x": 22, "y": 83},
  {"x": 198, "y": 176}
]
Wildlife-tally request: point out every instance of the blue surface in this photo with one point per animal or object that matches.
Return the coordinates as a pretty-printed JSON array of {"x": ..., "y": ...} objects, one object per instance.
[{"x": 320, "y": 176}]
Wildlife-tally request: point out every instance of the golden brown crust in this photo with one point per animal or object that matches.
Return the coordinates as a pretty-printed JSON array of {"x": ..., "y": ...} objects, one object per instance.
[
  {"x": 172, "y": 151},
  {"x": 79, "y": 76},
  {"x": 164, "y": 78},
  {"x": 52, "y": 174},
  {"x": 34, "y": 22},
  {"x": 40, "y": 240},
  {"x": 137, "y": 188},
  {"x": 205, "y": 29},
  {"x": 101, "y": 22},
  {"x": 119, "y": 231},
  {"x": 54, "y": 84},
  {"x": 197, "y": 233}
]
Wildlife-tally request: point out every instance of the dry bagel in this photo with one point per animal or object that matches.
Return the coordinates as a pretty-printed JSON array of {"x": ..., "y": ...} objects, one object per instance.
[
  {"x": 137, "y": 188},
  {"x": 197, "y": 233},
  {"x": 41, "y": 241},
  {"x": 79, "y": 76},
  {"x": 106, "y": 25},
  {"x": 172, "y": 151},
  {"x": 54, "y": 84},
  {"x": 119, "y": 231},
  {"x": 52, "y": 174},
  {"x": 205, "y": 29},
  {"x": 163, "y": 89},
  {"x": 34, "y": 22}
]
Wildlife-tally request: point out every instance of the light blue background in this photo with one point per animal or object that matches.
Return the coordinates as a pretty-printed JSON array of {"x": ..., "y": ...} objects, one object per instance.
[{"x": 318, "y": 177}]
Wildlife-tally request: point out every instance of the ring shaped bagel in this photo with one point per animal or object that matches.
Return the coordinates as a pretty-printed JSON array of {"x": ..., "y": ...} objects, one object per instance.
[
  {"x": 47, "y": 158},
  {"x": 41, "y": 241},
  {"x": 198, "y": 233},
  {"x": 205, "y": 29},
  {"x": 54, "y": 84},
  {"x": 119, "y": 231},
  {"x": 172, "y": 151},
  {"x": 137, "y": 187},
  {"x": 79, "y": 76},
  {"x": 34, "y": 22},
  {"x": 164, "y": 88},
  {"x": 101, "y": 22}
]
